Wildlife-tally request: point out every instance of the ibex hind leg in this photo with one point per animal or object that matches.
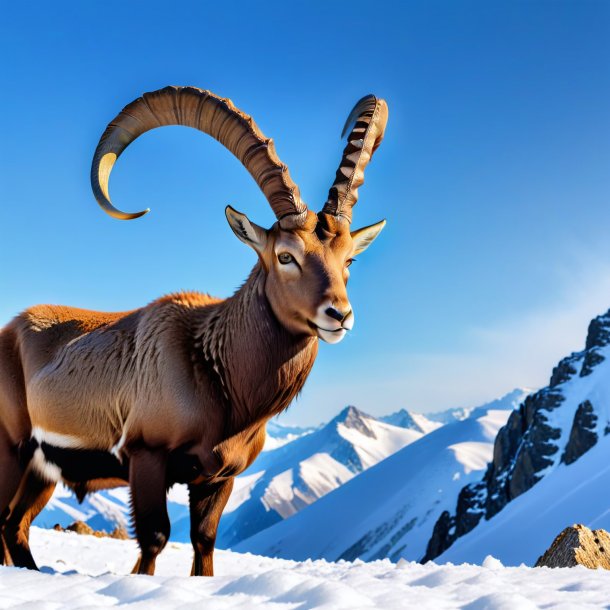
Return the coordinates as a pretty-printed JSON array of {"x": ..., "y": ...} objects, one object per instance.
[
  {"x": 11, "y": 473},
  {"x": 31, "y": 498}
]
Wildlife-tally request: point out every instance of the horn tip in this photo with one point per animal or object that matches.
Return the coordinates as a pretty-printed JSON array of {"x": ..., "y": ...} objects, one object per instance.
[{"x": 125, "y": 215}]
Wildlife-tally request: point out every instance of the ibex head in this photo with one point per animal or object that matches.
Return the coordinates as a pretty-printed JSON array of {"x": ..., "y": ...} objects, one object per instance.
[{"x": 305, "y": 256}]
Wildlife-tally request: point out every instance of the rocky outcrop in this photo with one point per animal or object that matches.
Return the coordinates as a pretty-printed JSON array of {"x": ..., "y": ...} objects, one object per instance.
[
  {"x": 582, "y": 434},
  {"x": 528, "y": 445},
  {"x": 443, "y": 536},
  {"x": 566, "y": 369},
  {"x": 598, "y": 336},
  {"x": 578, "y": 545},
  {"x": 522, "y": 448},
  {"x": 80, "y": 527},
  {"x": 470, "y": 510}
]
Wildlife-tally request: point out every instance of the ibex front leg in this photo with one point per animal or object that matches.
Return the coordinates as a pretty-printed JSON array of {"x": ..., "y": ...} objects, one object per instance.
[
  {"x": 206, "y": 501},
  {"x": 147, "y": 479}
]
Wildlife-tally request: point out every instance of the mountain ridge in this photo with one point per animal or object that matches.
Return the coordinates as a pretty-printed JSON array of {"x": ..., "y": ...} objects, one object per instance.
[{"x": 555, "y": 426}]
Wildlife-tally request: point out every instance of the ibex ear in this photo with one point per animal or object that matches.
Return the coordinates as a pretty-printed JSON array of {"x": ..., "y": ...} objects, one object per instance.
[
  {"x": 248, "y": 232},
  {"x": 364, "y": 237}
]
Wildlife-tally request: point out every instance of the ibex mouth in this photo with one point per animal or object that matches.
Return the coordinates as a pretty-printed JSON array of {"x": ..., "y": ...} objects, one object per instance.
[{"x": 329, "y": 336}]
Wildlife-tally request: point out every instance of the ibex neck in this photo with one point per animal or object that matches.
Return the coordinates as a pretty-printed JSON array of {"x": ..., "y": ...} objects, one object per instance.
[{"x": 263, "y": 365}]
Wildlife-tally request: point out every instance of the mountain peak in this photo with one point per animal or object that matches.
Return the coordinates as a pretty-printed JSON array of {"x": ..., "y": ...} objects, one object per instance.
[
  {"x": 410, "y": 421},
  {"x": 352, "y": 417},
  {"x": 598, "y": 334}
]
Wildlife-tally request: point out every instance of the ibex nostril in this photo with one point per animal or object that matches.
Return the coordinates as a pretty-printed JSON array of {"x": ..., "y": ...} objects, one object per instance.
[{"x": 336, "y": 314}]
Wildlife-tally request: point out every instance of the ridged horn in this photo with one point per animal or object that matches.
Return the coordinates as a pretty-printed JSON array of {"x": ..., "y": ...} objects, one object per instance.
[
  {"x": 367, "y": 122},
  {"x": 206, "y": 112}
]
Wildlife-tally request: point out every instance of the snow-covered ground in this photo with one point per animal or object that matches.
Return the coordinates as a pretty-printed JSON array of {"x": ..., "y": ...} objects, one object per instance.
[{"x": 87, "y": 572}]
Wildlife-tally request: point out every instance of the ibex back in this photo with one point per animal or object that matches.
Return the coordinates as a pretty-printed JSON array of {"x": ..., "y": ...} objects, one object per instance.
[{"x": 180, "y": 390}]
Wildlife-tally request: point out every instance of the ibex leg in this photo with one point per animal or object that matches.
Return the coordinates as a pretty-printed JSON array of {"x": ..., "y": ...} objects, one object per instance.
[
  {"x": 206, "y": 504},
  {"x": 10, "y": 477},
  {"x": 32, "y": 497},
  {"x": 147, "y": 479}
]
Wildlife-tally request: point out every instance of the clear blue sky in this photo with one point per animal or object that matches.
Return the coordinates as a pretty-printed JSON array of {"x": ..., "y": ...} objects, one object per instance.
[{"x": 493, "y": 176}]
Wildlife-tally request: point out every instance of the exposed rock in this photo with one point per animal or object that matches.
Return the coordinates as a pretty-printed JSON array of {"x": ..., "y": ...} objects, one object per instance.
[
  {"x": 582, "y": 434},
  {"x": 120, "y": 533},
  {"x": 578, "y": 545},
  {"x": 534, "y": 454},
  {"x": 443, "y": 536},
  {"x": 598, "y": 336},
  {"x": 565, "y": 369},
  {"x": 80, "y": 527},
  {"x": 522, "y": 449},
  {"x": 355, "y": 419},
  {"x": 470, "y": 507},
  {"x": 344, "y": 451}
]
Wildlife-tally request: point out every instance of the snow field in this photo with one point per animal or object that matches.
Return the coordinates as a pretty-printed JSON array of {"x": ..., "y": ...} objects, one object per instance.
[{"x": 87, "y": 572}]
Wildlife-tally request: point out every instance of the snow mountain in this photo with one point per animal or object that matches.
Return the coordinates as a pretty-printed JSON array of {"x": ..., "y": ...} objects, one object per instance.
[
  {"x": 411, "y": 421},
  {"x": 280, "y": 434},
  {"x": 283, "y": 481},
  {"x": 550, "y": 467},
  {"x": 509, "y": 401},
  {"x": 390, "y": 509}
]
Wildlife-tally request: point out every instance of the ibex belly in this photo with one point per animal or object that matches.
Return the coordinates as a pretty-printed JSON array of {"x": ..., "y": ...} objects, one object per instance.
[{"x": 78, "y": 409}]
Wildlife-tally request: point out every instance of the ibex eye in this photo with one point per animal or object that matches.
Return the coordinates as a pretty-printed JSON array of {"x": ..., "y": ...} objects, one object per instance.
[
  {"x": 349, "y": 261},
  {"x": 285, "y": 258}
]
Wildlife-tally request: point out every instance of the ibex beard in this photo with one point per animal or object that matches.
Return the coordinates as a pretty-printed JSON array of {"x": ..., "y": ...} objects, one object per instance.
[{"x": 180, "y": 390}]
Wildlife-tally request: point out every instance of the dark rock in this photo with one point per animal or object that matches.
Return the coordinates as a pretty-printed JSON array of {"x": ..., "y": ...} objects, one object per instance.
[
  {"x": 534, "y": 455},
  {"x": 522, "y": 449},
  {"x": 598, "y": 336},
  {"x": 470, "y": 507},
  {"x": 356, "y": 419},
  {"x": 592, "y": 359},
  {"x": 565, "y": 369},
  {"x": 582, "y": 434},
  {"x": 443, "y": 536}
]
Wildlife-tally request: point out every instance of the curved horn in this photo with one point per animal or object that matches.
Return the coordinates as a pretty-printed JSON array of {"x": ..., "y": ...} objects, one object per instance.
[
  {"x": 367, "y": 122},
  {"x": 211, "y": 114}
]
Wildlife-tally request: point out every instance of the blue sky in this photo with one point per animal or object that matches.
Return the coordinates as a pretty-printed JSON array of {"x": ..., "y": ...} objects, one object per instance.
[{"x": 493, "y": 175}]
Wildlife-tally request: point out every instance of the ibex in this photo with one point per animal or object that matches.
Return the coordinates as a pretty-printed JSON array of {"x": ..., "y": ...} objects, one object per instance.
[{"x": 181, "y": 389}]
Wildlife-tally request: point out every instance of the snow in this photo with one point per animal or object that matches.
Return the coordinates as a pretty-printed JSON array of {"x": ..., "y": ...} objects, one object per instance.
[{"x": 87, "y": 572}]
